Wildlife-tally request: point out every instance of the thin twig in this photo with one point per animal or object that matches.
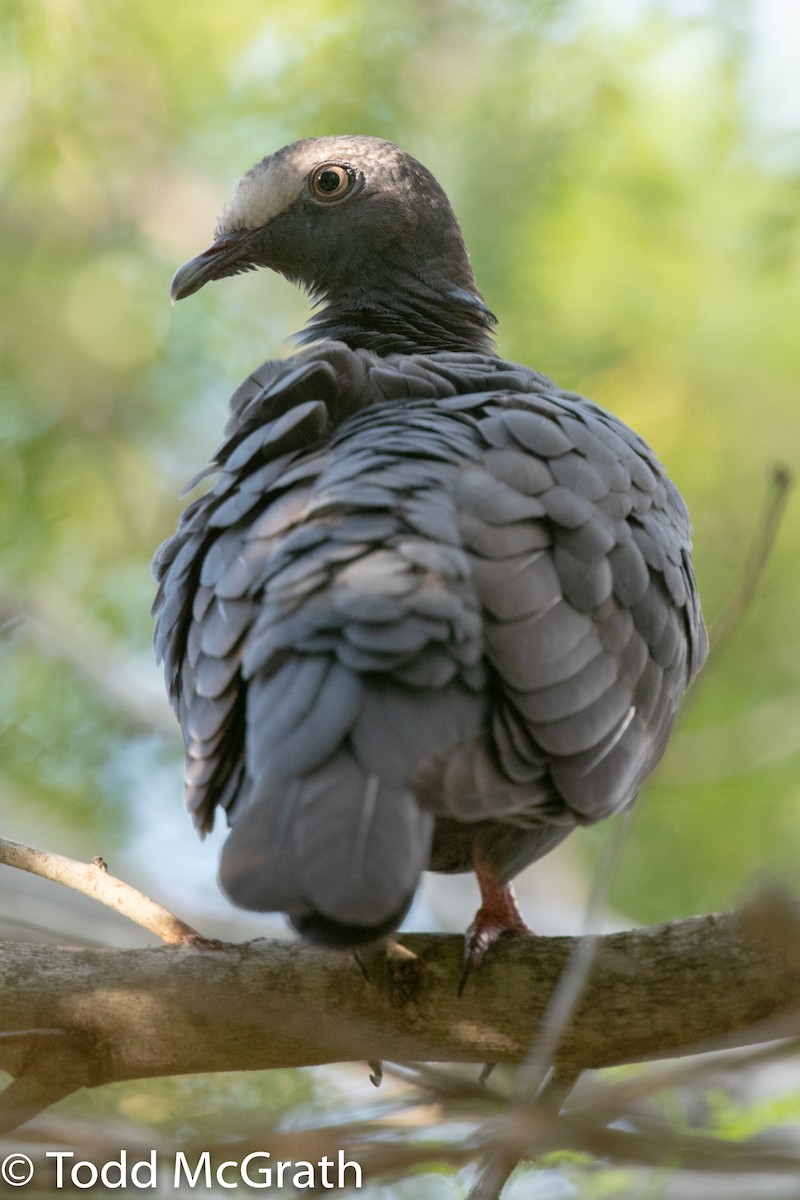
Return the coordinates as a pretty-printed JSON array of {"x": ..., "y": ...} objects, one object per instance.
[
  {"x": 766, "y": 531},
  {"x": 28, "y": 1036},
  {"x": 570, "y": 987},
  {"x": 494, "y": 1175},
  {"x": 536, "y": 1079},
  {"x": 553, "y": 1090},
  {"x": 557, "y": 1087},
  {"x": 615, "y": 1097},
  {"x": 94, "y": 880},
  {"x": 444, "y": 1085},
  {"x": 508, "y": 1154}
]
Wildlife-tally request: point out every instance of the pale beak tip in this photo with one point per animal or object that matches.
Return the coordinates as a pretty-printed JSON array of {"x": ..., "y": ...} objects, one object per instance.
[{"x": 213, "y": 263}]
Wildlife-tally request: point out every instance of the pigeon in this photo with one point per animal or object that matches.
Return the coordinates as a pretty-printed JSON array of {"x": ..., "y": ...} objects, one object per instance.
[{"x": 431, "y": 612}]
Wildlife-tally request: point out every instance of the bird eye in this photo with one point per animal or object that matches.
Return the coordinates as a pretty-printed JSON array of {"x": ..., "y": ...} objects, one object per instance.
[{"x": 331, "y": 181}]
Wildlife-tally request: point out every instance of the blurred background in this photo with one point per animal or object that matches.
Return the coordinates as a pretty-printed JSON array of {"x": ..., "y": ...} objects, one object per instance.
[{"x": 627, "y": 174}]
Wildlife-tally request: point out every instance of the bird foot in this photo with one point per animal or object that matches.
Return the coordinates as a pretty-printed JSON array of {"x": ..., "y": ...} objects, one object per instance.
[
  {"x": 375, "y": 1072},
  {"x": 497, "y": 915}
]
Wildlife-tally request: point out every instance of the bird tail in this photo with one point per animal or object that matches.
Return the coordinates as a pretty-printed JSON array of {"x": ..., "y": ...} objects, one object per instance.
[{"x": 340, "y": 850}]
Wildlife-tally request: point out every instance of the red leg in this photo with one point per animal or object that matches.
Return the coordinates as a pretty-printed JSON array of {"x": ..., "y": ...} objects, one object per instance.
[{"x": 498, "y": 914}]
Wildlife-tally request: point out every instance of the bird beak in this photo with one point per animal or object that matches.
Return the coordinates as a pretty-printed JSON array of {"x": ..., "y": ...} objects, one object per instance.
[{"x": 223, "y": 258}]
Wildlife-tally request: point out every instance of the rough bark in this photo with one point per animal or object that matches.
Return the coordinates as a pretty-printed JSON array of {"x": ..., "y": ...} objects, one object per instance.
[{"x": 129, "y": 1014}]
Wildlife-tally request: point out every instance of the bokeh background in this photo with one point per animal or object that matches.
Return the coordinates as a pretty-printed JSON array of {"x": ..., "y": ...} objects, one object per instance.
[{"x": 627, "y": 174}]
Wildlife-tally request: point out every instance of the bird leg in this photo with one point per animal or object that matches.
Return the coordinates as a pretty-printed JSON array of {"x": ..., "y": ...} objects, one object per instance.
[{"x": 498, "y": 914}]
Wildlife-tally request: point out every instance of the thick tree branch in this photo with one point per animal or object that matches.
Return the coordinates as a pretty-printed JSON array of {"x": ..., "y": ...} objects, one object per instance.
[{"x": 174, "y": 1010}]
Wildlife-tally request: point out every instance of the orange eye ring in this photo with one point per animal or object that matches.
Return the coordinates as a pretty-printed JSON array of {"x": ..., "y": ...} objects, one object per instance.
[{"x": 330, "y": 181}]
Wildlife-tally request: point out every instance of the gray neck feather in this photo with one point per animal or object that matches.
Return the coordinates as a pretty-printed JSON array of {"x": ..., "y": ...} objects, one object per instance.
[{"x": 416, "y": 322}]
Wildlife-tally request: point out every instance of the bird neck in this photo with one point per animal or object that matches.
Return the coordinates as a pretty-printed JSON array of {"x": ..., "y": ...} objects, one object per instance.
[{"x": 414, "y": 321}]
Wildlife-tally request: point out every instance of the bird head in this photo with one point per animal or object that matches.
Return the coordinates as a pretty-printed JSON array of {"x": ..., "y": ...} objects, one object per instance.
[{"x": 358, "y": 223}]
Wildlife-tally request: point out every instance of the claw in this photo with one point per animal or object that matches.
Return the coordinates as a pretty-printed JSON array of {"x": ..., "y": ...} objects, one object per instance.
[
  {"x": 362, "y": 965},
  {"x": 376, "y": 1073},
  {"x": 487, "y": 1071},
  {"x": 498, "y": 914}
]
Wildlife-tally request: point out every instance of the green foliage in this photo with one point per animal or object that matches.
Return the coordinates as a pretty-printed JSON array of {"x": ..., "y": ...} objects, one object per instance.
[
  {"x": 204, "y": 1107},
  {"x": 622, "y": 223},
  {"x": 737, "y": 1120},
  {"x": 627, "y": 224}
]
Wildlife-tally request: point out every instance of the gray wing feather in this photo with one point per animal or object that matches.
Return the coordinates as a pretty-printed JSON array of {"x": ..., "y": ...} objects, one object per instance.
[
  {"x": 515, "y": 586},
  {"x": 585, "y": 585},
  {"x": 595, "y": 663},
  {"x": 420, "y": 587},
  {"x": 281, "y": 749}
]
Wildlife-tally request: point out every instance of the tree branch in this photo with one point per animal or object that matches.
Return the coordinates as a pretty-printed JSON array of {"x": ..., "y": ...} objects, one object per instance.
[
  {"x": 651, "y": 993},
  {"x": 94, "y": 880}
]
